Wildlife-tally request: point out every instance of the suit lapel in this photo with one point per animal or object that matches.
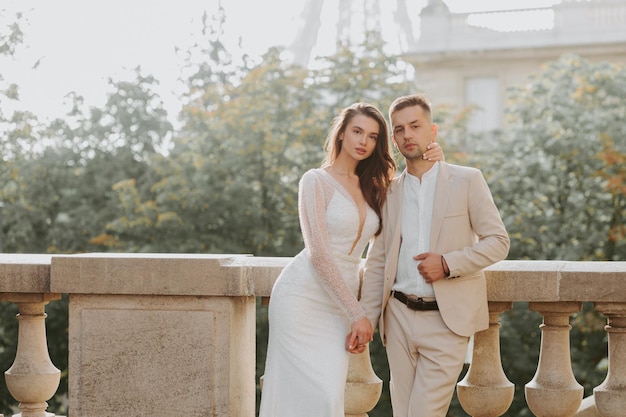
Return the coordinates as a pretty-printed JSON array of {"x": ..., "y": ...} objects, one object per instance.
[
  {"x": 394, "y": 234},
  {"x": 395, "y": 204},
  {"x": 442, "y": 192}
]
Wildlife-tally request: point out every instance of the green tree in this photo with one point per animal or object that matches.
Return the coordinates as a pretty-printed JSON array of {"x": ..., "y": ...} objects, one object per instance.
[
  {"x": 556, "y": 163},
  {"x": 250, "y": 153},
  {"x": 228, "y": 183},
  {"x": 11, "y": 39},
  {"x": 59, "y": 193},
  {"x": 125, "y": 138}
]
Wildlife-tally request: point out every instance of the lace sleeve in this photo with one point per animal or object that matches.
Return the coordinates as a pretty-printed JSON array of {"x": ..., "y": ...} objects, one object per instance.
[{"x": 312, "y": 202}]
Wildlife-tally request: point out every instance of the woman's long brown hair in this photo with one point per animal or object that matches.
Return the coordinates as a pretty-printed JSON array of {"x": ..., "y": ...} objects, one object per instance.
[{"x": 375, "y": 172}]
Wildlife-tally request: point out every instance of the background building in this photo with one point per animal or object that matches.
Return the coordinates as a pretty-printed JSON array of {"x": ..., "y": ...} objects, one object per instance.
[
  {"x": 464, "y": 59},
  {"x": 469, "y": 58}
]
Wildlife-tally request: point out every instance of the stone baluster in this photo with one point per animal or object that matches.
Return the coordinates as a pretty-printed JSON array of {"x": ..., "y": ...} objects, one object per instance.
[
  {"x": 553, "y": 391},
  {"x": 485, "y": 391},
  {"x": 363, "y": 387},
  {"x": 610, "y": 396},
  {"x": 32, "y": 379}
]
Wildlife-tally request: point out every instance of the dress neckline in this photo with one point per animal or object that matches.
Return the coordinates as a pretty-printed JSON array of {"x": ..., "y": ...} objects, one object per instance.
[{"x": 347, "y": 195}]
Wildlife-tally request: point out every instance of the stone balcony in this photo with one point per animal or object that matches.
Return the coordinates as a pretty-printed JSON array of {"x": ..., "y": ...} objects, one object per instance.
[{"x": 165, "y": 334}]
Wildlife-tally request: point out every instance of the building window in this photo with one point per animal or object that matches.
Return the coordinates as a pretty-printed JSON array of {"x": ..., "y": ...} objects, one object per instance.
[{"x": 483, "y": 93}]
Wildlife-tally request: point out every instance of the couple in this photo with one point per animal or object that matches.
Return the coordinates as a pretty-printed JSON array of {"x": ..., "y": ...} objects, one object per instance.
[{"x": 434, "y": 228}]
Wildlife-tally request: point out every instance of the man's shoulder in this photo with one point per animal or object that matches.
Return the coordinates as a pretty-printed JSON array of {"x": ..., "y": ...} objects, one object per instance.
[{"x": 461, "y": 169}]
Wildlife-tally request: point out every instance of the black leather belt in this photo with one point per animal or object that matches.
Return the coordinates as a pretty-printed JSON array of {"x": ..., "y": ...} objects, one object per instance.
[{"x": 418, "y": 305}]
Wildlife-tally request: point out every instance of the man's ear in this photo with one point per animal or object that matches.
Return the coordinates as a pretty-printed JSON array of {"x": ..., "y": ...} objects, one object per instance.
[{"x": 435, "y": 129}]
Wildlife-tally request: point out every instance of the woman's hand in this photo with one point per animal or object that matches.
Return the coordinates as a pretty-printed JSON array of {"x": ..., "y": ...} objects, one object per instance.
[
  {"x": 434, "y": 152},
  {"x": 360, "y": 335}
]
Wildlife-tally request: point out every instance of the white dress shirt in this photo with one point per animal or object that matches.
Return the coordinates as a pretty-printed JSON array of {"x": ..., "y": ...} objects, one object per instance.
[{"x": 417, "y": 212}]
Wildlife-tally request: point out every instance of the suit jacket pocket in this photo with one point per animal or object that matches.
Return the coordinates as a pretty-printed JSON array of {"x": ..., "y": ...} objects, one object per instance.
[
  {"x": 456, "y": 232},
  {"x": 456, "y": 211}
]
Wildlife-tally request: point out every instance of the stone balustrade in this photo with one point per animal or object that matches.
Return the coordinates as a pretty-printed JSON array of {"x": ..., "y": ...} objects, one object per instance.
[{"x": 166, "y": 334}]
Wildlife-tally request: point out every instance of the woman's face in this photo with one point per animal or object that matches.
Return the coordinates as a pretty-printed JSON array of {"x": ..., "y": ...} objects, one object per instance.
[{"x": 360, "y": 137}]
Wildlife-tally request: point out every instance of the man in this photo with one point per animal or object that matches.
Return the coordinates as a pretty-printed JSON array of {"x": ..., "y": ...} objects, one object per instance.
[{"x": 423, "y": 281}]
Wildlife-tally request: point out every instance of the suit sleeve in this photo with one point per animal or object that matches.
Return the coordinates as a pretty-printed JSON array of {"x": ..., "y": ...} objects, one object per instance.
[
  {"x": 374, "y": 280},
  {"x": 492, "y": 241}
]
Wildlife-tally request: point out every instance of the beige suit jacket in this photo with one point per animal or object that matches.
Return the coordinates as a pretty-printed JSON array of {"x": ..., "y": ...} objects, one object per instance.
[{"x": 466, "y": 229}]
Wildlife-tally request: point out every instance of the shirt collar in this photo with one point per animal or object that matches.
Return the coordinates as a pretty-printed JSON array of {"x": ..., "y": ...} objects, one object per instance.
[{"x": 431, "y": 173}]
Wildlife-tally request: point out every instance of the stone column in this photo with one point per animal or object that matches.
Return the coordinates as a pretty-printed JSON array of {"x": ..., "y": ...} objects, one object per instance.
[
  {"x": 553, "y": 391},
  {"x": 610, "y": 396},
  {"x": 485, "y": 391},
  {"x": 32, "y": 379},
  {"x": 363, "y": 386},
  {"x": 158, "y": 334}
]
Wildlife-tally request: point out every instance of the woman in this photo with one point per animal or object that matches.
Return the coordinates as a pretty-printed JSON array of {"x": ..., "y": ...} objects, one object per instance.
[{"x": 313, "y": 305}]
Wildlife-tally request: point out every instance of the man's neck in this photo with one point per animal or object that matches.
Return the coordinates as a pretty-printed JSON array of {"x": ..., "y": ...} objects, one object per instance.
[{"x": 419, "y": 167}]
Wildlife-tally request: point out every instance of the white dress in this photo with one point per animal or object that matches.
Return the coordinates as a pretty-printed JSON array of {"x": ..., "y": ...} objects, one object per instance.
[{"x": 313, "y": 303}]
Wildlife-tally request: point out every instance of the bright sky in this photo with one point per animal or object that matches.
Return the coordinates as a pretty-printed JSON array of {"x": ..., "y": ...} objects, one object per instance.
[{"x": 80, "y": 44}]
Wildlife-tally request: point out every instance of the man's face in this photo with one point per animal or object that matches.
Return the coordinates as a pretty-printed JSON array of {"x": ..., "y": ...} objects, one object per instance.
[{"x": 412, "y": 131}]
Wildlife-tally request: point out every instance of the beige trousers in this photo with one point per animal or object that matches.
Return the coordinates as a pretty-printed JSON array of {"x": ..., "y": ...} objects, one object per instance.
[{"x": 425, "y": 360}]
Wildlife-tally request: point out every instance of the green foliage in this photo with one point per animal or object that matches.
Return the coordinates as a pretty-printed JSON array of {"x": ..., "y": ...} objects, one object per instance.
[
  {"x": 559, "y": 162},
  {"x": 11, "y": 39},
  {"x": 11, "y": 34},
  {"x": 248, "y": 157},
  {"x": 59, "y": 193},
  {"x": 229, "y": 183}
]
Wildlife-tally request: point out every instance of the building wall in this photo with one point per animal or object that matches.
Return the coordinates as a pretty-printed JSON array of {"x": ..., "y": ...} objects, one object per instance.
[{"x": 460, "y": 65}]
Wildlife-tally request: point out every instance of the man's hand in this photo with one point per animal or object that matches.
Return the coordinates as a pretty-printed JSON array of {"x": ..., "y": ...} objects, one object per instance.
[{"x": 431, "y": 267}]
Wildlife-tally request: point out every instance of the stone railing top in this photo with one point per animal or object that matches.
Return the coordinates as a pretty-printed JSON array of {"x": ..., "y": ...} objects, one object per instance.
[
  {"x": 242, "y": 275},
  {"x": 537, "y": 281},
  {"x": 24, "y": 273},
  {"x": 556, "y": 281},
  {"x": 263, "y": 272},
  {"x": 151, "y": 274}
]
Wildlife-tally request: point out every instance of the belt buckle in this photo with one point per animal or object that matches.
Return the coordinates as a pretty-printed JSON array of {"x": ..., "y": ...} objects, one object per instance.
[{"x": 422, "y": 305}]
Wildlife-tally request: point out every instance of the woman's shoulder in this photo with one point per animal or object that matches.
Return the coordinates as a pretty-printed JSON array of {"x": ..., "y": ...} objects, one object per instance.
[
  {"x": 314, "y": 175},
  {"x": 317, "y": 177}
]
